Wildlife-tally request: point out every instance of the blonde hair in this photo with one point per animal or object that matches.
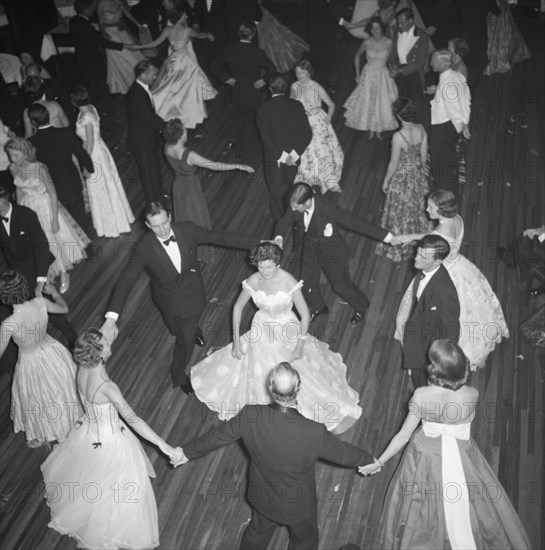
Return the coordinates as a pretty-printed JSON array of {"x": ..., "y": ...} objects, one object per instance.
[{"x": 23, "y": 146}]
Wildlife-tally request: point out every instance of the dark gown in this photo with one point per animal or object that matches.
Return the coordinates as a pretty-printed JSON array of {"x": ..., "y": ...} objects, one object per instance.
[{"x": 188, "y": 203}]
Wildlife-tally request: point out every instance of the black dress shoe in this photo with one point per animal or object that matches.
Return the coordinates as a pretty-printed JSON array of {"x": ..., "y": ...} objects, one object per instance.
[
  {"x": 199, "y": 337},
  {"x": 358, "y": 317},
  {"x": 187, "y": 388},
  {"x": 317, "y": 312}
]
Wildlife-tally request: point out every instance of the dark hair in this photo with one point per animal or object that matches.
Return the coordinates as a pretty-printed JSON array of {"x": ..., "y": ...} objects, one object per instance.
[
  {"x": 448, "y": 366},
  {"x": 4, "y": 194},
  {"x": 407, "y": 12},
  {"x": 142, "y": 66},
  {"x": 405, "y": 109},
  {"x": 301, "y": 193},
  {"x": 278, "y": 83},
  {"x": 264, "y": 252},
  {"x": 445, "y": 202},
  {"x": 80, "y": 96},
  {"x": 289, "y": 395},
  {"x": 38, "y": 114},
  {"x": 439, "y": 244},
  {"x": 173, "y": 131},
  {"x": 306, "y": 66},
  {"x": 33, "y": 65},
  {"x": 13, "y": 288},
  {"x": 88, "y": 348},
  {"x": 23, "y": 146},
  {"x": 246, "y": 30},
  {"x": 461, "y": 47},
  {"x": 179, "y": 7},
  {"x": 374, "y": 20},
  {"x": 154, "y": 209},
  {"x": 81, "y": 6},
  {"x": 33, "y": 88}
]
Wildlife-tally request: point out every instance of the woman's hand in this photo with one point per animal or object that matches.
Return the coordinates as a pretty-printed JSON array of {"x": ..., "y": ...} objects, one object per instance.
[
  {"x": 211, "y": 37},
  {"x": 298, "y": 351},
  {"x": 168, "y": 450},
  {"x": 245, "y": 168},
  {"x": 50, "y": 289},
  {"x": 370, "y": 469},
  {"x": 238, "y": 351},
  {"x": 385, "y": 186},
  {"x": 55, "y": 225}
]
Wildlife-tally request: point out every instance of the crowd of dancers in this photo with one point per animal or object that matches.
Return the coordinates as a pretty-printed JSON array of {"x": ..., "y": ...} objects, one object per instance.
[{"x": 61, "y": 188}]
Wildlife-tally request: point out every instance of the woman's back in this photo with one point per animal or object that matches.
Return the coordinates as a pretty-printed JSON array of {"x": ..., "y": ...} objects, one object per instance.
[{"x": 445, "y": 406}]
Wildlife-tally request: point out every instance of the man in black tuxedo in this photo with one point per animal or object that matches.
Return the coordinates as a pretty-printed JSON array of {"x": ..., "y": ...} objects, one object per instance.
[
  {"x": 436, "y": 308},
  {"x": 284, "y": 447},
  {"x": 284, "y": 127},
  {"x": 245, "y": 68},
  {"x": 409, "y": 59},
  {"x": 143, "y": 128},
  {"x": 324, "y": 248},
  {"x": 24, "y": 248},
  {"x": 55, "y": 147},
  {"x": 210, "y": 17},
  {"x": 90, "y": 45},
  {"x": 169, "y": 255}
]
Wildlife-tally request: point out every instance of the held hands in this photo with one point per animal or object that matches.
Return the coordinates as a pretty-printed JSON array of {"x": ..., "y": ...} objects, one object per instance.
[
  {"x": 231, "y": 81},
  {"x": 430, "y": 90},
  {"x": 110, "y": 330},
  {"x": 178, "y": 458},
  {"x": 370, "y": 469},
  {"x": 238, "y": 351},
  {"x": 39, "y": 289},
  {"x": 50, "y": 289},
  {"x": 279, "y": 241},
  {"x": 211, "y": 37},
  {"x": 258, "y": 84}
]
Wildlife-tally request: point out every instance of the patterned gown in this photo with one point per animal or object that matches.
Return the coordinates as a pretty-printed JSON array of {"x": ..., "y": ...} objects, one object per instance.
[
  {"x": 68, "y": 244},
  {"x": 184, "y": 87},
  {"x": 225, "y": 384},
  {"x": 322, "y": 162},
  {"x": 44, "y": 401},
  {"x": 369, "y": 106},
  {"x": 110, "y": 209},
  {"x": 482, "y": 322},
  {"x": 405, "y": 202},
  {"x": 111, "y": 504}
]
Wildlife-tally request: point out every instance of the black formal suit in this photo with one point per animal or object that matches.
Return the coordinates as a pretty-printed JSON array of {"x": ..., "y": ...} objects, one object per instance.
[
  {"x": 90, "y": 57},
  {"x": 55, "y": 147},
  {"x": 143, "y": 139},
  {"x": 283, "y": 125},
  {"x": 27, "y": 251},
  {"x": 324, "y": 248},
  {"x": 284, "y": 447},
  {"x": 435, "y": 315},
  {"x": 180, "y": 297},
  {"x": 247, "y": 64},
  {"x": 213, "y": 21},
  {"x": 410, "y": 81}
]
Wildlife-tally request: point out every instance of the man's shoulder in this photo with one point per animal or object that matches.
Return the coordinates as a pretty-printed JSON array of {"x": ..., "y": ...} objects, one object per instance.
[{"x": 22, "y": 212}]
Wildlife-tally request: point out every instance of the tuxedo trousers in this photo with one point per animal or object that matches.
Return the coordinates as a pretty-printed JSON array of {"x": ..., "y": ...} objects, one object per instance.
[
  {"x": 410, "y": 87},
  {"x": 315, "y": 259},
  {"x": 73, "y": 202},
  {"x": 303, "y": 534},
  {"x": 148, "y": 160},
  {"x": 185, "y": 330},
  {"x": 279, "y": 180},
  {"x": 444, "y": 162},
  {"x": 246, "y": 135}
]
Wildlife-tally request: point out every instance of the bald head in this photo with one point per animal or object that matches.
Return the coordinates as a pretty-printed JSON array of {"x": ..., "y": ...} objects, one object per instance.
[{"x": 284, "y": 383}]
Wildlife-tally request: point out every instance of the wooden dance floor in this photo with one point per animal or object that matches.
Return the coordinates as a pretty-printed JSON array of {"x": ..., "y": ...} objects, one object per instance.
[{"x": 202, "y": 505}]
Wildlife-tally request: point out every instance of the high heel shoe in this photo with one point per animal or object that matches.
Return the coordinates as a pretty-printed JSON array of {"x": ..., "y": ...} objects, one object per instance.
[{"x": 65, "y": 283}]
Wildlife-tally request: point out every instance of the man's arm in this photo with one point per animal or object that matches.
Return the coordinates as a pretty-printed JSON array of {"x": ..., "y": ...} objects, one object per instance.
[
  {"x": 81, "y": 154},
  {"x": 422, "y": 55},
  {"x": 304, "y": 132},
  {"x": 40, "y": 245},
  {"x": 135, "y": 102},
  {"x": 202, "y": 235},
  {"x": 342, "y": 453},
  {"x": 450, "y": 313},
  {"x": 284, "y": 224}
]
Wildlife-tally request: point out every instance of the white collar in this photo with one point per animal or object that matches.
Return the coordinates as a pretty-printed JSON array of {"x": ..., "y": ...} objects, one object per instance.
[
  {"x": 46, "y": 126},
  {"x": 430, "y": 274},
  {"x": 145, "y": 86}
]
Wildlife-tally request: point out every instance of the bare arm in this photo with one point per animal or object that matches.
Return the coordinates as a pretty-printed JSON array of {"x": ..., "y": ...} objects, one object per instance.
[
  {"x": 357, "y": 59},
  {"x": 242, "y": 300},
  {"x": 58, "y": 305},
  {"x": 424, "y": 147},
  {"x": 302, "y": 309},
  {"x": 89, "y": 138},
  {"x": 202, "y": 35},
  {"x": 194, "y": 159},
  {"x": 50, "y": 189},
  {"x": 63, "y": 119},
  {"x": 113, "y": 393},
  {"x": 327, "y": 100},
  {"x": 6, "y": 331},
  {"x": 29, "y": 129},
  {"x": 160, "y": 39},
  {"x": 394, "y": 161}
]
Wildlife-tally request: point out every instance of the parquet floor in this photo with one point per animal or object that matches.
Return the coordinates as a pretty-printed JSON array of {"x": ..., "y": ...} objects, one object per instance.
[{"x": 202, "y": 505}]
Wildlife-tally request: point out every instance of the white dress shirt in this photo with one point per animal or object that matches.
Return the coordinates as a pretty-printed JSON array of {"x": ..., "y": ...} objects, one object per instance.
[
  {"x": 173, "y": 251},
  {"x": 307, "y": 215},
  {"x": 8, "y": 216},
  {"x": 452, "y": 100},
  {"x": 427, "y": 275},
  {"x": 405, "y": 43},
  {"x": 208, "y": 5}
]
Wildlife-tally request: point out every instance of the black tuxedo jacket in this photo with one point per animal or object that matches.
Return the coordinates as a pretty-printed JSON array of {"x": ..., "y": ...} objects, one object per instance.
[
  {"x": 89, "y": 44},
  {"x": 283, "y": 126},
  {"x": 214, "y": 20},
  {"x": 418, "y": 57},
  {"x": 55, "y": 147},
  {"x": 324, "y": 228},
  {"x": 26, "y": 248},
  {"x": 143, "y": 123},
  {"x": 284, "y": 446},
  {"x": 247, "y": 64},
  {"x": 436, "y": 315},
  {"x": 177, "y": 295}
]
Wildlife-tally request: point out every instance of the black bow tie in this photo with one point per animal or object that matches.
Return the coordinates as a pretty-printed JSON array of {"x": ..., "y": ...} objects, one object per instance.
[
  {"x": 171, "y": 239},
  {"x": 5, "y": 219}
]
